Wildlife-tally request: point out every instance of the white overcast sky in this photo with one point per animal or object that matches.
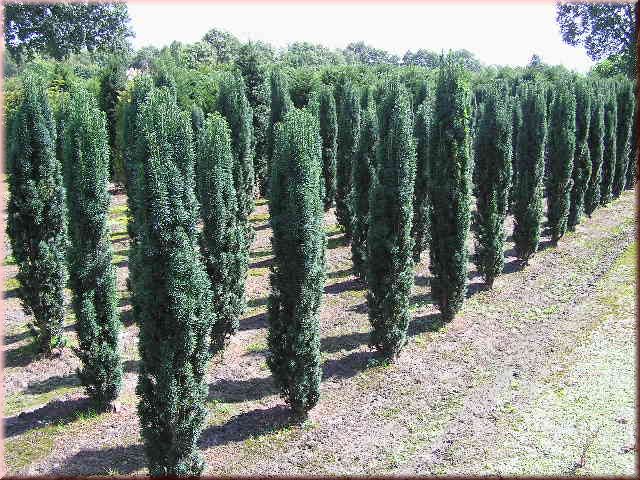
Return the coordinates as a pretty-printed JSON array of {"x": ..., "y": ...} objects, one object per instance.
[{"x": 498, "y": 33}]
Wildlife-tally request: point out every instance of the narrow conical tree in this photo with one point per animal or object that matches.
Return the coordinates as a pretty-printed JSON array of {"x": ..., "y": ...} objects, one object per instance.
[
  {"x": 582, "y": 159},
  {"x": 222, "y": 237},
  {"x": 389, "y": 242},
  {"x": 516, "y": 111},
  {"x": 633, "y": 155},
  {"x": 348, "y": 134},
  {"x": 596, "y": 150},
  {"x": 297, "y": 275},
  {"x": 281, "y": 103},
  {"x": 364, "y": 171},
  {"x": 234, "y": 107},
  {"x": 329, "y": 135},
  {"x": 91, "y": 274},
  {"x": 529, "y": 189},
  {"x": 626, "y": 105},
  {"x": 36, "y": 223},
  {"x": 609, "y": 155},
  {"x": 493, "y": 161},
  {"x": 197, "y": 119},
  {"x": 562, "y": 144},
  {"x": 112, "y": 81},
  {"x": 421, "y": 204},
  {"x": 171, "y": 295},
  {"x": 450, "y": 189}
]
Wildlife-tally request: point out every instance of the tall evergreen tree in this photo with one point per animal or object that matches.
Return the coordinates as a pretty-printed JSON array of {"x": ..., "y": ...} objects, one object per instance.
[
  {"x": 529, "y": 189},
  {"x": 36, "y": 223},
  {"x": 329, "y": 135},
  {"x": 348, "y": 134},
  {"x": 222, "y": 237},
  {"x": 450, "y": 191},
  {"x": 493, "y": 161},
  {"x": 582, "y": 159},
  {"x": 281, "y": 103},
  {"x": 516, "y": 112},
  {"x": 112, "y": 81},
  {"x": 421, "y": 204},
  {"x": 364, "y": 172},
  {"x": 297, "y": 275},
  {"x": 233, "y": 105},
  {"x": 562, "y": 144},
  {"x": 389, "y": 242},
  {"x": 633, "y": 155},
  {"x": 91, "y": 274},
  {"x": 197, "y": 119},
  {"x": 171, "y": 294},
  {"x": 626, "y": 105},
  {"x": 609, "y": 156},
  {"x": 596, "y": 151}
]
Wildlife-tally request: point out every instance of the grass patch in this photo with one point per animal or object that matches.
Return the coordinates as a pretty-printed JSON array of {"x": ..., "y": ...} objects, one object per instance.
[
  {"x": 258, "y": 272},
  {"x": 332, "y": 230},
  {"x": 117, "y": 235},
  {"x": 19, "y": 402},
  {"x": 219, "y": 412},
  {"x": 119, "y": 210},
  {"x": 9, "y": 260},
  {"x": 256, "y": 347},
  {"x": 261, "y": 253},
  {"x": 261, "y": 201},
  {"x": 11, "y": 284},
  {"x": 259, "y": 217}
]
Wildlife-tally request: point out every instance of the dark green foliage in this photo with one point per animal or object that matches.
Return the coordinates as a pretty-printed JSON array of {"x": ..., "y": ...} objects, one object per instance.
[
  {"x": 596, "y": 151},
  {"x": 329, "y": 135},
  {"x": 222, "y": 238},
  {"x": 171, "y": 295},
  {"x": 421, "y": 204},
  {"x": 297, "y": 275},
  {"x": 633, "y": 155},
  {"x": 112, "y": 81},
  {"x": 450, "y": 191},
  {"x": 528, "y": 197},
  {"x": 363, "y": 174},
  {"x": 92, "y": 277},
  {"x": 610, "y": 138},
  {"x": 493, "y": 160},
  {"x": 389, "y": 242},
  {"x": 36, "y": 215},
  {"x": 233, "y": 105},
  {"x": 562, "y": 143},
  {"x": 197, "y": 120},
  {"x": 582, "y": 159},
  {"x": 626, "y": 106},
  {"x": 280, "y": 104},
  {"x": 516, "y": 113},
  {"x": 348, "y": 134}
]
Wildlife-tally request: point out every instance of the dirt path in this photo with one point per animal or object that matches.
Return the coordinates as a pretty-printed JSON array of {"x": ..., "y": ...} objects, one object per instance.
[{"x": 534, "y": 377}]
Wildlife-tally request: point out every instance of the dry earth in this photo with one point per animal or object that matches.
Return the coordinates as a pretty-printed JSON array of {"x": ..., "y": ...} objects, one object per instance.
[{"x": 534, "y": 377}]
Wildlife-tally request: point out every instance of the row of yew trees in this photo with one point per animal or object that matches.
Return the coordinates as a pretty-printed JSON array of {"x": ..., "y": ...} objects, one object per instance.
[{"x": 402, "y": 171}]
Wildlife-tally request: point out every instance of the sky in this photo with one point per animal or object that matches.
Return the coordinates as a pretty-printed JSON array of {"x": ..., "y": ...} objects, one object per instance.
[{"x": 497, "y": 33}]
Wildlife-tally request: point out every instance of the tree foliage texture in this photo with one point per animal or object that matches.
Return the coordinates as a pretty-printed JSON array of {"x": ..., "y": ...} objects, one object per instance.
[
  {"x": 36, "y": 223},
  {"x": 596, "y": 151},
  {"x": 626, "y": 105},
  {"x": 280, "y": 104},
  {"x": 528, "y": 198},
  {"x": 493, "y": 161},
  {"x": 297, "y": 275},
  {"x": 389, "y": 242},
  {"x": 421, "y": 203},
  {"x": 348, "y": 135},
  {"x": 561, "y": 149},
  {"x": 112, "y": 82},
  {"x": 633, "y": 155},
  {"x": 582, "y": 158},
  {"x": 450, "y": 178},
  {"x": 610, "y": 154},
  {"x": 91, "y": 274},
  {"x": 329, "y": 134},
  {"x": 171, "y": 295},
  {"x": 222, "y": 236}
]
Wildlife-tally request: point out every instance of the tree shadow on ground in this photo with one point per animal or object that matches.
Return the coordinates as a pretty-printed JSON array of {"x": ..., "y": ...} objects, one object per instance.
[
  {"x": 257, "y": 302},
  {"x": 8, "y": 294},
  {"x": 262, "y": 263},
  {"x": 118, "y": 460},
  {"x": 15, "y": 338},
  {"x": 52, "y": 383},
  {"x": 235, "y": 391},
  {"x": 130, "y": 366},
  {"x": 336, "y": 242},
  {"x": 340, "y": 273},
  {"x": 264, "y": 226},
  {"x": 60, "y": 412},
  {"x": 345, "y": 286},
  {"x": 343, "y": 342},
  {"x": 20, "y": 356},
  {"x": 254, "y": 322}
]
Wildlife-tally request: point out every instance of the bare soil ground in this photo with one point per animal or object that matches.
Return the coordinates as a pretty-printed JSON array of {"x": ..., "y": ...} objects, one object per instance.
[{"x": 533, "y": 377}]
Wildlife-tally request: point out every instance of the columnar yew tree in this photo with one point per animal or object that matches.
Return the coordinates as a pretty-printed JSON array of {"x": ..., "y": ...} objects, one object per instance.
[
  {"x": 529, "y": 189},
  {"x": 297, "y": 275},
  {"x": 364, "y": 172},
  {"x": 390, "y": 274},
  {"x": 112, "y": 81},
  {"x": 516, "y": 112},
  {"x": 633, "y": 155},
  {"x": 609, "y": 155},
  {"x": 91, "y": 274},
  {"x": 329, "y": 135},
  {"x": 596, "y": 151},
  {"x": 171, "y": 295},
  {"x": 280, "y": 104},
  {"x": 582, "y": 158},
  {"x": 626, "y": 105},
  {"x": 233, "y": 105},
  {"x": 348, "y": 134},
  {"x": 197, "y": 119},
  {"x": 562, "y": 144},
  {"x": 493, "y": 160},
  {"x": 421, "y": 205},
  {"x": 222, "y": 237},
  {"x": 450, "y": 189},
  {"x": 36, "y": 215}
]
